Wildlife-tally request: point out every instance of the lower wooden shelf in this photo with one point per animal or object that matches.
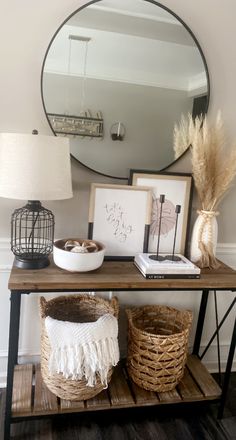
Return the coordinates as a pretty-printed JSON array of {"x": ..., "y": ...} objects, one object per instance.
[{"x": 32, "y": 398}]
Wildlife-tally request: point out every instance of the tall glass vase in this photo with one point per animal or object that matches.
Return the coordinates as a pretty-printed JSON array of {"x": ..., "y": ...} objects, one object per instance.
[{"x": 204, "y": 239}]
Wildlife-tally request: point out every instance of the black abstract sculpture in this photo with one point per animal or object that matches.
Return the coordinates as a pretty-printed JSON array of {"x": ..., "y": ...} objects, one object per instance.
[
  {"x": 172, "y": 257},
  {"x": 158, "y": 257}
]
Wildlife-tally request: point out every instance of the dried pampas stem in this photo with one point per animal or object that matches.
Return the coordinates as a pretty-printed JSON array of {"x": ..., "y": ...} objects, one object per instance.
[
  {"x": 182, "y": 135},
  {"x": 208, "y": 258},
  {"x": 213, "y": 166}
]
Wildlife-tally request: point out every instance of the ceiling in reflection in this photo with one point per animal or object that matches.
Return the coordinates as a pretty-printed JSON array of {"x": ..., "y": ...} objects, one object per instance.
[
  {"x": 137, "y": 50},
  {"x": 130, "y": 38}
]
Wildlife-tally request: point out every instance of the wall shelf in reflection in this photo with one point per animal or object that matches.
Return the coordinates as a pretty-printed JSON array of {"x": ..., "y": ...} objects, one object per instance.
[{"x": 85, "y": 126}]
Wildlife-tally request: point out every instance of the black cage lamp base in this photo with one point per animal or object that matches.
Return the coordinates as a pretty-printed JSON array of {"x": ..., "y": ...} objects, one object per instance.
[
  {"x": 32, "y": 232},
  {"x": 39, "y": 263}
]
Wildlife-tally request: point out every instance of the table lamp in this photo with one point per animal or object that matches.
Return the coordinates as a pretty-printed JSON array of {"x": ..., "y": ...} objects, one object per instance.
[{"x": 33, "y": 167}]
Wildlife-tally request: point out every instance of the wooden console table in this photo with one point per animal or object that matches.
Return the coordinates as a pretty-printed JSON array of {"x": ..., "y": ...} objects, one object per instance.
[{"x": 26, "y": 394}]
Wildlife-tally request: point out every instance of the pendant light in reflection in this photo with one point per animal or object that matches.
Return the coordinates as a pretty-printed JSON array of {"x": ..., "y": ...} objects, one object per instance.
[{"x": 84, "y": 124}]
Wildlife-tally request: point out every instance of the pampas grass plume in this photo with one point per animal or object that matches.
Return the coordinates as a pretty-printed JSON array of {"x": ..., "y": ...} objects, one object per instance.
[{"x": 213, "y": 162}]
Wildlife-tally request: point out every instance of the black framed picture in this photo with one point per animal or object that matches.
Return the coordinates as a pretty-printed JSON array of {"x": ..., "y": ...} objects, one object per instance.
[{"x": 177, "y": 191}]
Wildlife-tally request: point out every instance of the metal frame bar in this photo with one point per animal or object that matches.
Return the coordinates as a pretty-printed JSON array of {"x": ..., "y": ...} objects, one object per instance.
[
  {"x": 197, "y": 342},
  {"x": 219, "y": 326},
  {"x": 14, "y": 342},
  {"x": 200, "y": 322},
  {"x": 227, "y": 372},
  {"x": 12, "y": 356},
  {"x": 217, "y": 335}
]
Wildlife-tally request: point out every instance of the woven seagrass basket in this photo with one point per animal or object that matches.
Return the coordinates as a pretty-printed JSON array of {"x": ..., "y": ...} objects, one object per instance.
[
  {"x": 72, "y": 308},
  {"x": 157, "y": 346}
]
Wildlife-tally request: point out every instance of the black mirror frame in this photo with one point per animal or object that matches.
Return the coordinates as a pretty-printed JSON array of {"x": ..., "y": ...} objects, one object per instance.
[{"x": 184, "y": 25}]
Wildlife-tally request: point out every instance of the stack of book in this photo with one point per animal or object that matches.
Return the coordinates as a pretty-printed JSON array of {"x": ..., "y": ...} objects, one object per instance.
[{"x": 166, "y": 268}]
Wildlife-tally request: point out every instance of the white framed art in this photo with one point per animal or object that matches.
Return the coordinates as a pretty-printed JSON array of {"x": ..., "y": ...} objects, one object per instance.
[
  {"x": 119, "y": 217},
  {"x": 177, "y": 189}
]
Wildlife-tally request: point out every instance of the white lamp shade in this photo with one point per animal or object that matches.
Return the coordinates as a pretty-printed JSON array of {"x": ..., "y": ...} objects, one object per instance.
[{"x": 34, "y": 167}]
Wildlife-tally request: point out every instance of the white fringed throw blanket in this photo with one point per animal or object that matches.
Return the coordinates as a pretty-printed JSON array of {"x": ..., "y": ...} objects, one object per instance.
[{"x": 80, "y": 350}]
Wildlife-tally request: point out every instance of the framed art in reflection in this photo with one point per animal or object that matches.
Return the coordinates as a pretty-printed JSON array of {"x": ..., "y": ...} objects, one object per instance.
[
  {"x": 119, "y": 217},
  {"x": 177, "y": 189}
]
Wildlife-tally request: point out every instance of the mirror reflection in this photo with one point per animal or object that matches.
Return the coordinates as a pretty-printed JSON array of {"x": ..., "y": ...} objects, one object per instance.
[{"x": 116, "y": 78}]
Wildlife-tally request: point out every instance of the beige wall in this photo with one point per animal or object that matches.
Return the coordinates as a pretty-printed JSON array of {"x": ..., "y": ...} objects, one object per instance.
[
  {"x": 148, "y": 114},
  {"x": 26, "y": 28}
]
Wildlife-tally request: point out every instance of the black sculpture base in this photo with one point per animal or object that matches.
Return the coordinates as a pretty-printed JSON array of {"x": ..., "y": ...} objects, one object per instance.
[
  {"x": 156, "y": 257},
  {"x": 166, "y": 257},
  {"x": 173, "y": 258}
]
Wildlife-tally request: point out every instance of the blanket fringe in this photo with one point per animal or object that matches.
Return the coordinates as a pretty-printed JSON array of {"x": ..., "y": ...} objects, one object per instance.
[{"x": 85, "y": 360}]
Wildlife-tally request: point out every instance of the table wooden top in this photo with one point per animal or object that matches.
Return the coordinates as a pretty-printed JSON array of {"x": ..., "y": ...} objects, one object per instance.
[{"x": 115, "y": 275}]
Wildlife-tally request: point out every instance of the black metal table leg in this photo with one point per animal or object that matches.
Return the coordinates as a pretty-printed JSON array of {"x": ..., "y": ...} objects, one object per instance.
[
  {"x": 12, "y": 356},
  {"x": 200, "y": 322},
  {"x": 227, "y": 373},
  {"x": 218, "y": 328}
]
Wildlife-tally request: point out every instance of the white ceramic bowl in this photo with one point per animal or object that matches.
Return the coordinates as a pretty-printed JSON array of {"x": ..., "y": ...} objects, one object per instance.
[{"x": 77, "y": 262}]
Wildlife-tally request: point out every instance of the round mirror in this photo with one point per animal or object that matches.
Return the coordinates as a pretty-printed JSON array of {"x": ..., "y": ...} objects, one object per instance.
[{"x": 117, "y": 76}]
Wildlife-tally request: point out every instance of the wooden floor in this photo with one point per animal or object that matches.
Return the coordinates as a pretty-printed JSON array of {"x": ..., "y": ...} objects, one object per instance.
[{"x": 146, "y": 423}]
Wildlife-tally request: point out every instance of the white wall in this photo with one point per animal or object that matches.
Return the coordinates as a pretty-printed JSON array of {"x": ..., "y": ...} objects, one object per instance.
[{"x": 25, "y": 31}]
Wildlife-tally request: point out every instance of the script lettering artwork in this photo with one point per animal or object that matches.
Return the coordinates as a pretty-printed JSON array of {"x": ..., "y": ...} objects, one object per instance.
[{"x": 115, "y": 216}]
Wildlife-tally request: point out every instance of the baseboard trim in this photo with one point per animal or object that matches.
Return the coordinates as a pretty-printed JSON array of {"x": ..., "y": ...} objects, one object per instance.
[
  {"x": 211, "y": 365},
  {"x": 6, "y": 257},
  {"x": 25, "y": 357},
  {"x": 6, "y": 254},
  {"x": 3, "y": 380}
]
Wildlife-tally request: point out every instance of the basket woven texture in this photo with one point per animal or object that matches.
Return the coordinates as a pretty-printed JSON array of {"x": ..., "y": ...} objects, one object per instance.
[
  {"x": 72, "y": 308},
  {"x": 157, "y": 346}
]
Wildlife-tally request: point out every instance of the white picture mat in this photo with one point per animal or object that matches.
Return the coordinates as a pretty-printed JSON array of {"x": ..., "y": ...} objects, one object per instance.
[
  {"x": 119, "y": 220},
  {"x": 176, "y": 190}
]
